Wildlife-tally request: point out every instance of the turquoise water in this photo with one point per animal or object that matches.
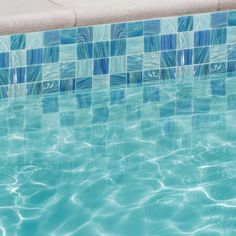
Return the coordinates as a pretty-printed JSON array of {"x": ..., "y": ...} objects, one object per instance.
[{"x": 157, "y": 159}]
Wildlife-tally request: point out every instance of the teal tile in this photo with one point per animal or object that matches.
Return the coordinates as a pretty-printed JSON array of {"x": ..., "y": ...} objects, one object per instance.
[
  {"x": 101, "y": 82},
  {"x": 185, "y": 40},
  {"x": 169, "y": 25},
  {"x": 185, "y": 72},
  {"x": 231, "y": 34},
  {"x": 84, "y": 68},
  {"x": 231, "y": 86},
  {"x": 4, "y": 43},
  {"x": 101, "y": 33},
  {"x": 34, "y": 40},
  {"x": 51, "y": 71},
  {"x": 118, "y": 65},
  {"x": 218, "y": 53},
  {"x": 135, "y": 45},
  {"x": 201, "y": 22},
  {"x": 18, "y": 58},
  {"x": 17, "y": 90},
  {"x": 68, "y": 52},
  {"x": 151, "y": 61}
]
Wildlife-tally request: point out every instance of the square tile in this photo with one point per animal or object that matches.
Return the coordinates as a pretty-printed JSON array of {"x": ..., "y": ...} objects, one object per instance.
[
  {"x": 118, "y": 47},
  {"x": 232, "y": 52},
  {"x": 201, "y": 55},
  {"x": 84, "y": 51},
  {"x": 185, "y": 40},
  {"x": 151, "y": 27},
  {"x": 50, "y": 54},
  {"x": 67, "y": 70},
  {"x": 68, "y": 36},
  {"x": 18, "y": 41},
  {"x": 118, "y": 31},
  {"x": 34, "y": 56},
  {"x": 51, "y": 71},
  {"x": 218, "y": 36},
  {"x": 168, "y": 59},
  {"x": 101, "y": 49},
  {"x": 51, "y": 86},
  {"x": 68, "y": 52},
  {"x": 169, "y": 25},
  {"x": 134, "y": 78},
  {"x": 118, "y": 80},
  {"x": 152, "y": 43},
  {"x": 201, "y": 22},
  {"x": 83, "y": 83},
  {"x": 185, "y": 57},
  {"x": 202, "y": 38},
  {"x": 135, "y": 63},
  {"x": 18, "y": 58},
  {"x": 101, "y": 66},
  {"x": 51, "y": 38},
  {"x": 34, "y": 40},
  {"x": 168, "y": 42},
  {"x": 101, "y": 33},
  {"x": 231, "y": 34},
  {"x": 219, "y": 19},
  {"x": 118, "y": 65},
  {"x": 85, "y": 68},
  {"x": 218, "y": 53},
  {"x": 185, "y": 23},
  {"x": 135, "y": 45},
  {"x": 18, "y": 75},
  {"x": 4, "y": 77},
  {"x": 50, "y": 104},
  {"x": 4, "y": 43},
  {"x": 232, "y": 18},
  {"x": 151, "y": 61},
  {"x": 34, "y": 73},
  {"x": 4, "y": 60},
  {"x": 84, "y": 34},
  {"x": 134, "y": 29}
]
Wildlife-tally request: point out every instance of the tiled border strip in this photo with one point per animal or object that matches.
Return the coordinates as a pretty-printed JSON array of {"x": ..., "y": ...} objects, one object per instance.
[{"x": 198, "y": 46}]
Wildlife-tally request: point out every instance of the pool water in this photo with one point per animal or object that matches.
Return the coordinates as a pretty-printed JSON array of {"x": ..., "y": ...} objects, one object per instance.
[{"x": 151, "y": 159}]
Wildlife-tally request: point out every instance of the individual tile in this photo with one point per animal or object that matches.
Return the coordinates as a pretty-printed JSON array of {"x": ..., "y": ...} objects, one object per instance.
[
  {"x": 232, "y": 18},
  {"x": 84, "y": 100},
  {"x": 167, "y": 109},
  {"x": 118, "y": 47},
  {"x": 118, "y": 31},
  {"x": 67, "y": 85},
  {"x": 101, "y": 83},
  {"x": 34, "y": 40},
  {"x": 84, "y": 34},
  {"x": 201, "y": 105},
  {"x": 17, "y": 58},
  {"x": 50, "y": 104},
  {"x": 151, "y": 75},
  {"x": 183, "y": 107},
  {"x": 50, "y": 54},
  {"x": 135, "y": 45},
  {"x": 168, "y": 42},
  {"x": 231, "y": 86},
  {"x": 152, "y": 43},
  {"x": 218, "y": 87},
  {"x": 219, "y": 19},
  {"x": 151, "y": 94},
  {"x": 218, "y": 53},
  {"x": 34, "y": 73},
  {"x": 218, "y": 36},
  {"x": 101, "y": 66},
  {"x": 201, "y": 71},
  {"x": 202, "y": 38},
  {"x": 83, "y": 83},
  {"x": 51, "y": 71},
  {"x": 185, "y": 23},
  {"x": 134, "y": 78},
  {"x": 151, "y": 27},
  {"x": 85, "y": 68},
  {"x": 34, "y": 89},
  {"x": 134, "y": 29},
  {"x": 67, "y": 119},
  {"x": 232, "y": 52},
  {"x": 4, "y": 60},
  {"x": 231, "y": 102},
  {"x": 133, "y": 112},
  {"x": 202, "y": 22},
  {"x": 134, "y": 63},
  {"x": 51, "y": 38},
  {"x": 101, "y": 49},
  {"x": 67, "y": 36},
  {"x": 185, "y": 40},
  {"x": 100, "y": 115},
  {"x": 117, "y": 96},
  {"x": 168, "y": 59},
  {"x": 185, "y": 57},
  {"x": 218, "y": 70},
  {"x": 18, "y": 41},
  {"x": 4, "y": 77},
  {"x": 18, "y": 75},
  {"x": 34, "y": 56},
  {"x": 67, "y": 70},
  {"x": 168, "y": 74},
  {"x": 17, "y": 90},
  {"x": 169, "y": 25},
  {"x": 118, "y": 80},
  {"x": 231, "y": 34},
  {"x": 185, "y": 72},
  {"x": 231, "y": 69},
  {"x": 201, "y": 55},
  {"x": 84, "y": 51},
  {"x": 51, "y": 86},
  {"x": 101, "y": 33},
  {"x": 151, "y": 61},
  {"x": 4, "y": 92},
  {"x": 118, "y": 65},
  {"x": 4, "y": 43},
  {"x": 68, "y": 52}
]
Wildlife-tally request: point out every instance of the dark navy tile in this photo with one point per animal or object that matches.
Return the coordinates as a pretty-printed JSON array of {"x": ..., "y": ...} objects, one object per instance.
[
  {"x": 4, "y": 60},
  {"x": 118, "y": 80},
  {"x": 50, "y": 104},
  {"x": 185, "y": 57},
  {"x": 50, "y": 54},
  {"x": 133, "y": 112},
  {"x": 101, "y": 66},
  {"x": 51, "y": 86},
  {"x": 231, "y": 102},
  {"x": 117, "y": 96},
  {"x": 100, "y": 115},
  {"x": 151, "y": 94},
  {"x": 232, "y": 18},
  {"x": 231, "y": 69},
  {"x": 168, "y": 42},
  {"x": 51, "y": 38},
  {"x": 118, "y": 31},
  {"x": 151, "y": 75},
  {"x": 84, "y": 100},
  {"x": 183, "y": 107},
  {"x": 18, "y": 41},
  {"x": 4, "y": 76},
  {"x": 84, "y": 34},
  {"x": 135, "y": 78},
  {"x": 84, "y": 51},
  {"x": 67, "y": 85},
  {"x": 134, "y": 29},
  {"x": 135, "y": 63},
  {"x": 34, "y": 73},
  {"x": 83, "y": 83},
  {"x": 35, "y": 56},
  {"x": 68, "y": 36},
  {"x": 151, "y": 27},
  {"x": 101, "y": 49},
  {"x": 67, "y": 70},
  {"x": 201, "y": 71},
  {"x": 219, "y": 19},
  {"x": 152, "y": 43},
  {"x": 218, "y": 36},
  {"x": 118, "y": 47},
  {"x": 202, "y": 38},
  {"x": 232, "y": 52},
  {"x": 218, "y": 87},
  {"x": 201, "y": 55},
  {"x": 18, "y": 75},
  {"x": 168, "y": 59},
  {"x": 168, "y": 74},
  {"x": 34, "y": 89},
  {"x": 185, "y": 23}
]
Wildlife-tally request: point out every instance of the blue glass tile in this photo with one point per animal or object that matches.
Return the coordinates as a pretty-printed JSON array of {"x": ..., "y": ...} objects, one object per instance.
[
  {"x": 101, "y": 66},
  {"x": 4, "y": 76},
  {"x": 185, "y": 23},
  {"x": 231, "y": 69},
  {"x": 84, "y": 34},
  {"x": 67, "y": 85},
  {"x": 151, "y": 27},
  {"x": 218, "y": 36},
  {"x": 168, "y": 59},
  {"x": 152, "y": 43},
  {"x": 34, "y": 88},
  {"x": 231, "y": 102},
  {"x": 51, "y": 38},
  {"x": 232, "y": 18},
  {"x": 118, "y": 47},
  {"x": 218, "y": 69},
  {"x": 168, "y": 42},
  {"x": 85, "y": 51},
  {"x": 151, "y": 75},
  {"x": 34, "y": 56},
  {"x": 3, "y": 92},
  {"x": 34, "y": 73},
  {"x": 84, "y": 100},
  {"x": 184, "y": 107},
  {"x": 185, "y": 57},
  {"x": 118, "y": 31},
  {"x": 18, "y": 41},
  {"x": 83, "y": 83},
  {"x": 151, "y": 94},
  {"x": 219, "y": 19},
  {"x": 50, "y": 54},
  {"x": 4, "y": 60},
  {"x": 50, "y": 104},
  {"x": 201, "y": 55},
  {"x": 117, "y": 96},
  {"x": 201, "y": 70},
  {"x": 134, "y": 78},
  {"x": 167, "y": 109},
  {"x": 201, "y": 105},
  {"x": 101, "y": 49},
  {"x": 67, "y": 119},
  {"x": 50, "y": 86},
  {"x": 118, "y": 79},
  {"x": 202, "y": 38},
  {"x": 135, "y": 63},
  {"x": 134, "y": 29},
  {"x": 68, "y": 36},
  {"x": 67, "y": 70},
  {"x": 168, "y": 74},
  {"x": 17, "y": 75},
  {"x": 100, "y": 115},
  {"x": 232, "y": 52},
  {"x": 133, "y": 112},
  {"x": 218, "y": 87}
]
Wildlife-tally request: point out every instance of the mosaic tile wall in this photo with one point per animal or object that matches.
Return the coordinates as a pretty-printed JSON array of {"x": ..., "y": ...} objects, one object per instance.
[{"x": 195, "y": 46}]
